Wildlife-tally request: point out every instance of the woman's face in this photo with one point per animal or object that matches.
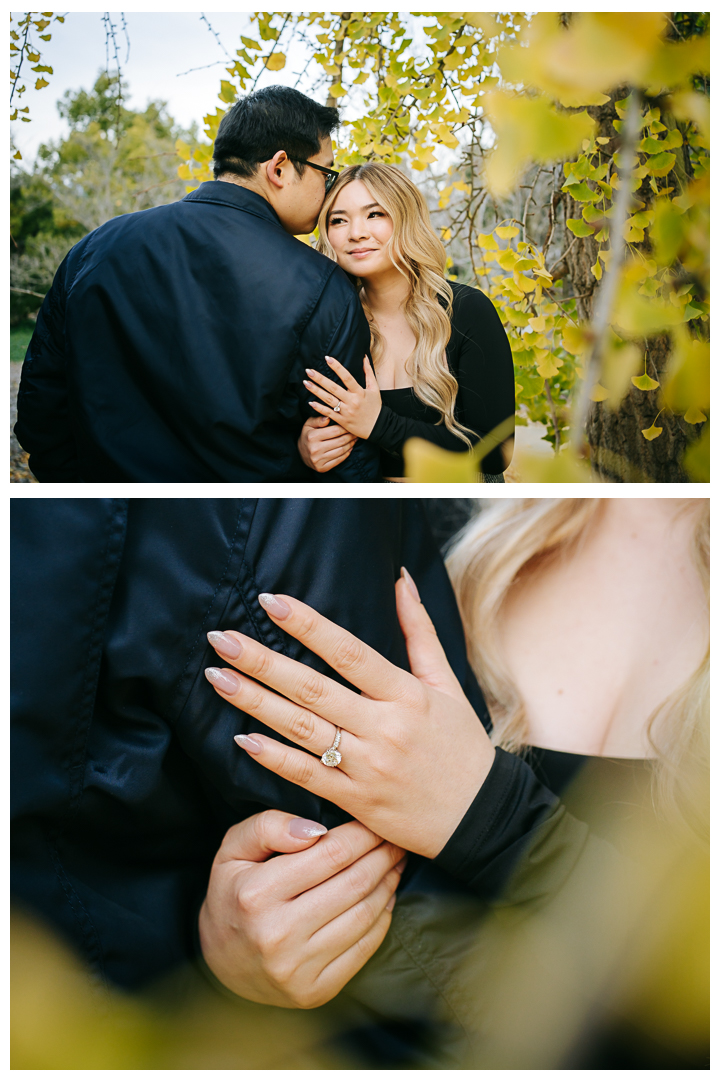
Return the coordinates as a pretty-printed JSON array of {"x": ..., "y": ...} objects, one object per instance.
[{"x": 359, "y": 230}]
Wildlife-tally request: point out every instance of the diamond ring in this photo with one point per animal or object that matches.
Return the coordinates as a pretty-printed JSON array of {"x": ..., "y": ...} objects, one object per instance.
[
  {"x": 336, "y": 408},
  {"x": 332, "y": 755}
]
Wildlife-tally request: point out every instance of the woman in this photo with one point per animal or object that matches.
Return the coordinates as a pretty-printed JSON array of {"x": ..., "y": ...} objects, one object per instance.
[
  {"x": 443, "y": 366},
  {"x": 561, "y": 600}
]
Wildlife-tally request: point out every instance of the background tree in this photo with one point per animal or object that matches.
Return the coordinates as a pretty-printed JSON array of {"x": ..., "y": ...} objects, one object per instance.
[
  {"x": 565, "y": 159},
  {"x": 113, "y": 161}
]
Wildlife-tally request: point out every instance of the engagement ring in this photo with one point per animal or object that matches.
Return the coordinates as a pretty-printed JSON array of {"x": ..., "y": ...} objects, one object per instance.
[
  {"x": 336, "y": 408},
  {"x": 332, "y": 755}
]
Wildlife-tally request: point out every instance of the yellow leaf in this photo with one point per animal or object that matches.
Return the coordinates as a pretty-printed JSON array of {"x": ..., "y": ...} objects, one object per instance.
[
  {"x": 524, "y": 283},
  {"x": 276, "y": 62},
  {"x": 694, "y": 415},
  {"x": 338, "y": 90},
  {"x": 598, "y": 393},
  {"x": 508, "y": 259},
  {"x": 574, "y": 339},
  {"x": 17, "y": 156},
  {"x": 548, "y": 367},
  {"x": 644, "y": 382},
  {"x": 182, "y": 149},
  {"x": 228, "y": 92},
  {"x": 40, "y": 83},
  {"x": 597, "y": 269},
  {"x": 538, "y": 323},
  {"x": 506, "y": 232},
  {"x": 184, "y": 172},
  {"x": 487, "y": 241},
  {"x": 652, "y": 432}
]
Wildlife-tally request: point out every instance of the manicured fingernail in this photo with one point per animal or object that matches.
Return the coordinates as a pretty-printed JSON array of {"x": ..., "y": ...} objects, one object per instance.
[
  {"x": 303, "y": 829},
  {"x": 248, "y": 743},
  {"x": 410, "y": 583},
  {"x": 273, "y": 605},
  {"x": 310, "y": 371},
  {"x": 224, "y": 644},
  {"x": 331, "y": 360},
  {"x": 391, "y": 902},
  {"x": 402, "y": 864},
  {"x": 223, "y": 680}
]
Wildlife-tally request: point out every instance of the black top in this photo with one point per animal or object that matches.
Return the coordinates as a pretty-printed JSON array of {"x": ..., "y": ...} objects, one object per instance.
[
  {"x": 173, "y": 345},
  {"x": 480, "y": 358}
]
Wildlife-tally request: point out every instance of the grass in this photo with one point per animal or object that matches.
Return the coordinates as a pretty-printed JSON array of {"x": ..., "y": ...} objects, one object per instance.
[{"x": 19, "y": 340}]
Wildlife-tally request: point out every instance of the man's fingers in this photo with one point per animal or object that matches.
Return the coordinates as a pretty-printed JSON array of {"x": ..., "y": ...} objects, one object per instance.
[
  {"x": 346, "y": 654},
  {"x": 425, "y": 653},
  {"x": 262, "y": 835}
]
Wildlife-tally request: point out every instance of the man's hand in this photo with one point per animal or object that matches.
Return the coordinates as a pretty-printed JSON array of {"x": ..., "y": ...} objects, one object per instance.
[
  {"x": 323, "y": 445},
  {"x": 294, "y": 929}
]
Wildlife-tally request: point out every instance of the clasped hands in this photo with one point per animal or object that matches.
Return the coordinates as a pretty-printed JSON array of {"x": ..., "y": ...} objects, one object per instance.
[
  {"x": 414, "y": 755},
  {"x": 327, "y": 440}
]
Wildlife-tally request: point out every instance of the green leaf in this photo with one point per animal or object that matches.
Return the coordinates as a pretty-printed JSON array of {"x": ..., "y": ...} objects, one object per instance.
[
  {"x": 581, "y": 192},
  {"x": 644, "y": 382},
  {"x": 660, "y": 164},
  {"x": 579, "y": 227}
]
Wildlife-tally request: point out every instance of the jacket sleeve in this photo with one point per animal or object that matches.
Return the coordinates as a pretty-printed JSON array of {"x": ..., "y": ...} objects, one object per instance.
[
  {"x": 338, "y": 328},
  {"x": 43, "y": 426}
]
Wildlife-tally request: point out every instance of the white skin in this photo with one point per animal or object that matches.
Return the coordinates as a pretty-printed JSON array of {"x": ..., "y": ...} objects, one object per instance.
[
  {"x": 293, "y": 929},
  {"x": 619, "y": 624},
  {"x": 359, "y": 230}
]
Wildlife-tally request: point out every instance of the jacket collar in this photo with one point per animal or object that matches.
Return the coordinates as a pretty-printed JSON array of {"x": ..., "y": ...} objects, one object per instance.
[{"x": 241, "y": 198}]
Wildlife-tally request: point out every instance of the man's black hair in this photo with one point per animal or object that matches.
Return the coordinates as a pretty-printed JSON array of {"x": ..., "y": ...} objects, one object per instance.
[{"x": 274, "y": 118}]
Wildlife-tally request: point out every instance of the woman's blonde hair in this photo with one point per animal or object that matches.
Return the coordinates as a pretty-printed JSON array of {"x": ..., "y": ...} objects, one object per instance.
[
  {"x": 518, "y": 535},
  {"x": 417, "y": 253}
]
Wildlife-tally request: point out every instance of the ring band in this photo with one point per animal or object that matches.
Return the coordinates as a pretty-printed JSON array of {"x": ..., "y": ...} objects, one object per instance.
[
  {"x": 332, "y": 755},
  {"x": 336, "y": 408}
]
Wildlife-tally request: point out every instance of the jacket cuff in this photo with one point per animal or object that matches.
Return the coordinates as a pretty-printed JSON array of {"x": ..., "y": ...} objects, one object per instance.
[{"x": 498, "y": 826}]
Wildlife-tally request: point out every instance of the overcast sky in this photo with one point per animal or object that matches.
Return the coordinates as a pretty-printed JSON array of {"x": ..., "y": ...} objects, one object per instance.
[{"x": 162, "y": 46}]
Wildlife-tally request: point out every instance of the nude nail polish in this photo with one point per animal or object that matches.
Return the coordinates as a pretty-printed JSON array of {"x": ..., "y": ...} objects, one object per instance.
[
  {"x": 248, "y": 743},
  {"x": 303, "y": 829},
  {"x": 391, "y": 902},
  {"x": 224, "y": 644},
  {"x": 273, "y": 605},
  {"x": 410, "y": 583},
  {"x": 224, "y": 681}
]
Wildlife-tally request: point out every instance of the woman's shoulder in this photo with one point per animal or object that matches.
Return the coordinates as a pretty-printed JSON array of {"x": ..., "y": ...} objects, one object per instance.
[{"x": 469, "y": 305}]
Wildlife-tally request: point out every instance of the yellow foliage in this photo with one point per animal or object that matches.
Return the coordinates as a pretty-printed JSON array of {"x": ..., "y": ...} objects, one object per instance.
[
  {"x": 276, "y": 62},
  {"x": 652, "y": 432}
]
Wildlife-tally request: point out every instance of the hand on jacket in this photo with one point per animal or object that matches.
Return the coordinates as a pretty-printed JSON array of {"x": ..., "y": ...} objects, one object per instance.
[
  {"x": 359, "y": 409},
  {"x": 323, "y": 445},
  {"x": 293, "y": 930},
  {"x": 414, "y": 753}
]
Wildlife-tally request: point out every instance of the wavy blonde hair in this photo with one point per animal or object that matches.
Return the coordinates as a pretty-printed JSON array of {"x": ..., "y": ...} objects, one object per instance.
[
  {"x": 517, "y": 536},
  {"x": 418, "y": 254}
]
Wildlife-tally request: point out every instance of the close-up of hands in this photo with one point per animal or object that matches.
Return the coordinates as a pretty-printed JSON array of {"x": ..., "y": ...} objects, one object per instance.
[
  {"x": 413, "y": 752},
  {"x": 323, "y": 445},
  {"x": 292, "y": 930},
  {"x": 358, "y": 409}
]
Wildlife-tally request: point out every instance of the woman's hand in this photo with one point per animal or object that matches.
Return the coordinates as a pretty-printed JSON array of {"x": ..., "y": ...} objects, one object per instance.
[
  {"x": 294, "y": 929},
  {"x": 414, "y": 754},
  {"x": 323, "y": 445},
  {"x": 359, "y": 409}
]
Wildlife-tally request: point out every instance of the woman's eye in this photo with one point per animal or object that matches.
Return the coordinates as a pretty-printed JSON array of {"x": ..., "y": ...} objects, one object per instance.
[
  {"x": 376, "y": 213},
  {"x": 337, "y": 221}
]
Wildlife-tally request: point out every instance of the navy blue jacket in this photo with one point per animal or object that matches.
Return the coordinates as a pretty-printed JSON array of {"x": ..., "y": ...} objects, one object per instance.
[
  {"x": 125, "y": 773},
  {"x": 173, "y": 344}
]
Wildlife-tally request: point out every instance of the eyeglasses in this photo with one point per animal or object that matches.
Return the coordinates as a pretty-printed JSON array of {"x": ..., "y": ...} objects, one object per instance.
[{"x": 330, "y": 174}]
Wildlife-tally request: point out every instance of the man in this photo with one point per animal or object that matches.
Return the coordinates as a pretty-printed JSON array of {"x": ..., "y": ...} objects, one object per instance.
[{"x": 173, "y": 343}]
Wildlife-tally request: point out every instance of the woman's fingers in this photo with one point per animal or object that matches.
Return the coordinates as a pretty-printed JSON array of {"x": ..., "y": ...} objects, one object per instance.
[
  {"x": 370, "y": 380},
  {"x": 297, "y": 767},
  {"x": 296, "y": 723},
  {"x": 336, "y": 389},
  {"x": 328, "y": 396},
  {"x": 265, "y": 834},
  {"x": 336, "y": 937},
  {"x": 355, "y": 885},
  {"x": 301, "y": 684},
  {"x": 346, "y": 654},
  {"x": 289, "y": 877},
  {"x": 339, "y": 971},
  {"x": 425, "y": 653},
  {"x": 351, "y": 383}
]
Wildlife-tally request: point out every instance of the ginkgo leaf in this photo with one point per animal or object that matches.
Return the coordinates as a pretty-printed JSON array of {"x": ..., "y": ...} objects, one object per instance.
[
  {"x": 538, "y": 323},
  {"x": 506, "y": 232},
  {"x": 578, "y": 227},
  {"x": 487, "y": 241},
  {"x": 599, "y": 393},
  {"x": 693, "y": 415},
  {"x": 276, "y": 62},
  {"x": 644, "y": 382},
  {"x": 548, "y": 367},
  {"x": 652, "y": 432}
]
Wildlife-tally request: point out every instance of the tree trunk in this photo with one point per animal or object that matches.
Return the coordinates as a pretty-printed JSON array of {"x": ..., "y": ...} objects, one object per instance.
[{"x": 619, "y": 450}]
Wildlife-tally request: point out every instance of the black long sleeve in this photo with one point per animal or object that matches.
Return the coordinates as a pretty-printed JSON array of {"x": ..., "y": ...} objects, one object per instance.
[{"x": 479, "y": 356}]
